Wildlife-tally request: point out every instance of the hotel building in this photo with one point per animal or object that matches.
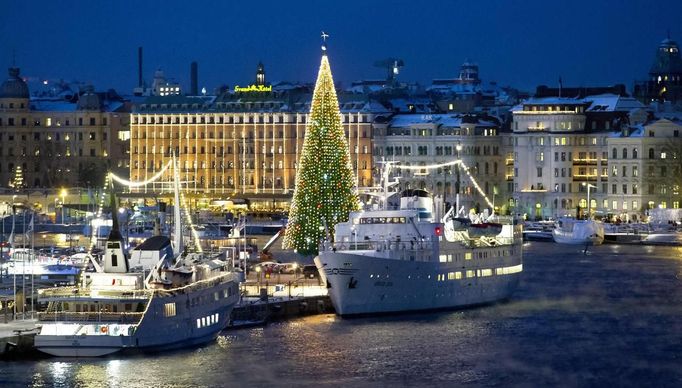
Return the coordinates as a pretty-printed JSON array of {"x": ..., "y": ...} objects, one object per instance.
[{"x": 243, "y": 145}]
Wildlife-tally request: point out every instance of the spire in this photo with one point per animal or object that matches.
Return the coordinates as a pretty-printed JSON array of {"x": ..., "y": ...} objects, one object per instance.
[{"x": 325, "y": 184}]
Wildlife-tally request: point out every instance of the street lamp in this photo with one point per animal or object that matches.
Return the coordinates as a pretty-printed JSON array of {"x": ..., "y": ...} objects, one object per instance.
[
  {"x": 458, "y": 148},
  {"x": 589, "y": 204}
]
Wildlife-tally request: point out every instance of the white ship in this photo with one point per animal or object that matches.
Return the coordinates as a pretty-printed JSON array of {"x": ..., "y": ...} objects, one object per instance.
[
  {"x": 578, "y": 232},
  {"x": 385, "y": 261},
  {"x": 181, "y": 302}
]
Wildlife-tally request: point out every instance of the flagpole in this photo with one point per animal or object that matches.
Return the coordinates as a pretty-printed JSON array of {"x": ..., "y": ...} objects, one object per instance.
[
  {"x": 33, "y": 256},
  {"x": 23, "y": 264},
  {"x": 14, "y": 263}
]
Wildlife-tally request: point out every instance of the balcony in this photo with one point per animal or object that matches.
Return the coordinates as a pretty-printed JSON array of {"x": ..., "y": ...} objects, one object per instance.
[
  {"x": 584, "y": 178},
  {"x": 584, "y": 162}
]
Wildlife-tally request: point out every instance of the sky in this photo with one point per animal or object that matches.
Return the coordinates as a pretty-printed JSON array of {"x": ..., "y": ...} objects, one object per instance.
[{"x": 516, "y": 43}]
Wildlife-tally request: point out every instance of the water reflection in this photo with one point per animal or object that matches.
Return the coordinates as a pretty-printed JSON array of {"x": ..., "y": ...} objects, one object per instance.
[{"x": 612, "y": 317}]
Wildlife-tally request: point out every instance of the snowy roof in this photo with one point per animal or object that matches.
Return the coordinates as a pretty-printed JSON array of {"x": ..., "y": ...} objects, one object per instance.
[
  {"x": 596, "y": 103},
  {"x": 438, "y": 120},
  {"x": 611, "y": 103}
]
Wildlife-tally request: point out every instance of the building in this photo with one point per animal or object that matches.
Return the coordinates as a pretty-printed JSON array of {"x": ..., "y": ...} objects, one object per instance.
[
  {"x": 559, "y": 150},
  {"x": 64, "y": 138},
  {"x": 664, "y": 82},
  {"x": 644, "y": 167},
  {"x": 432, "y": 139},
  {"x": 241, "y": 144}
]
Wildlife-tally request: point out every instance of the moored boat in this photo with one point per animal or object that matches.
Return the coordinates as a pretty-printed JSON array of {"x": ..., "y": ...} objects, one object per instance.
[
  {"x": 385, "y": 261},
  {"x": 578, "y": 232}
]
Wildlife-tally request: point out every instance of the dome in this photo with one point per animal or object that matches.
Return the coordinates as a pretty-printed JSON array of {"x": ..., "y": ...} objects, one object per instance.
[{"x": 14, "y": 87}]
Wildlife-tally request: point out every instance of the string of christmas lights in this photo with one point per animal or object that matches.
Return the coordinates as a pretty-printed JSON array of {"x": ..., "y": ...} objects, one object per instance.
[
  {"x": 109, "y": 180},
  {"x": 452, "y": 163},
  {"x": 131, "y": 184}
]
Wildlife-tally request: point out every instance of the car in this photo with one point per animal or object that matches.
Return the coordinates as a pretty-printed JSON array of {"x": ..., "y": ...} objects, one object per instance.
[
  {"x": 310, "y": 271},
  {"x": 288, "y": 268},
  {"x": 266, "y": 266}
]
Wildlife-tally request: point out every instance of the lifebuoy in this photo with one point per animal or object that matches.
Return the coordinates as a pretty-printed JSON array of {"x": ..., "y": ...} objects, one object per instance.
[{"x": 103, "y": 329}]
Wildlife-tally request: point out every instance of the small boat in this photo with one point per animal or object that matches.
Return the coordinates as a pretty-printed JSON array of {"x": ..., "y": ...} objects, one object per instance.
[{"x": 578, "y": 232}]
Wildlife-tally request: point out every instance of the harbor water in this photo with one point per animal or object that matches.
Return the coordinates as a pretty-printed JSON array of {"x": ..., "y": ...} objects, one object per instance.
[{"x": 608, "y": 316}]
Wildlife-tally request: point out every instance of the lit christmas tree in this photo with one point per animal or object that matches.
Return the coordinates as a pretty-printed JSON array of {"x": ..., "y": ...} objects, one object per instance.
[
  {"x": 17, "y": 180},
  {"x": 325, "y": 182}
]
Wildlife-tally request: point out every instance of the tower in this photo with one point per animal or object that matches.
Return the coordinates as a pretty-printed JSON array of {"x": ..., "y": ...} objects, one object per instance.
[
  {"x": 260, "y": 74},
  {"x": 664, "y": 82},
  {"x": 324, "y": 193}
]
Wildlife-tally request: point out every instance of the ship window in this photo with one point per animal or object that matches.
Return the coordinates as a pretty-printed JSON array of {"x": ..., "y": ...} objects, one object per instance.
[
  {"x": 216, "y": 296},
  {"x": 169, "y": 310},
  {"x": 458, "y": 275},
  {"x": 443, "y": 258},
  {"x": 198, "y": 323},
  {"x": 487, "y": 272},
  {"x": 470, "y": 273},
  {"x": 128, "y": 307},
  {"x": 114, "y": 260},
  {"x": 467, "y": 255},
  {"x": 203, "y": 321}
]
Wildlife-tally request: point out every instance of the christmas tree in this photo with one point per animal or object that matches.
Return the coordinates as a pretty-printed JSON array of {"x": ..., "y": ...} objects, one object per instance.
[{"x": 324, "y": 193}]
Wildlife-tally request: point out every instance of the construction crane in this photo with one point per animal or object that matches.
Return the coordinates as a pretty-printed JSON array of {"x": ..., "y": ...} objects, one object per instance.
[{"x": 392, "y": 66}]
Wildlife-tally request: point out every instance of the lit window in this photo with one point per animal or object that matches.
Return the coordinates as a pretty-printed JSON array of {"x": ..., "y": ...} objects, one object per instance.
[{"x": 169, "y": 310}]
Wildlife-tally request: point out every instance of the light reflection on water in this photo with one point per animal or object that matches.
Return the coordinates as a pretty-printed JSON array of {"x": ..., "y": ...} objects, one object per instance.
[{"x": 611, "y": 316}]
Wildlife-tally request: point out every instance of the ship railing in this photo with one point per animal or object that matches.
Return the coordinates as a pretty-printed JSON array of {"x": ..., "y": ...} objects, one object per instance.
[
  {"x": 384, "y": 245},
  {"x": 198, "y": 285},
  {"x": 76, "y": 292},
  {"x": 73, "y": 316}
]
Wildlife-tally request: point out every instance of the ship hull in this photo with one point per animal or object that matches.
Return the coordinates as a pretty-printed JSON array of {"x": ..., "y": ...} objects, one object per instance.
[
  {"x": 198, "y": 317},
  {"x": 360, "y": 284}
]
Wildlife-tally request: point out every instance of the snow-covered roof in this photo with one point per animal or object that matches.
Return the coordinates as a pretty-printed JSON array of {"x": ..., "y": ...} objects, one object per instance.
[
  {"x": 437, "y": 120},
  {"x": 611, "y": 103}
]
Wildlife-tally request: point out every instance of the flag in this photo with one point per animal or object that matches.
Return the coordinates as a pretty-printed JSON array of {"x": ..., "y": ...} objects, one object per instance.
[{"x": 30, "y": 225}]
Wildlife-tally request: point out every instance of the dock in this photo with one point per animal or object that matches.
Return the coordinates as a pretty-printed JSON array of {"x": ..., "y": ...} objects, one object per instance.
[{"x": 16, "y": 339}]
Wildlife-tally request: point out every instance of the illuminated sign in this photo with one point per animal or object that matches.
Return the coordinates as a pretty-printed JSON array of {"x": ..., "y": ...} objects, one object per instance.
[{"x": 253, "y": 88}]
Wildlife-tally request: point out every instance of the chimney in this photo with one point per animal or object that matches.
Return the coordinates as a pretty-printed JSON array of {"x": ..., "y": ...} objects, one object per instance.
[
  {"x": 194, "y": 87},
  {"x": 139, "y": 67}
]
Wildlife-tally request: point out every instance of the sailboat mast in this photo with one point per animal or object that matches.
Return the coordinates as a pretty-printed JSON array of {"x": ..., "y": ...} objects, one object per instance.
[{"x": 176, "y": 209}]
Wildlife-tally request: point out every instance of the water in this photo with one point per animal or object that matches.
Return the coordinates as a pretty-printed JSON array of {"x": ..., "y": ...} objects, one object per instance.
[{"x": 609, "y": 317}]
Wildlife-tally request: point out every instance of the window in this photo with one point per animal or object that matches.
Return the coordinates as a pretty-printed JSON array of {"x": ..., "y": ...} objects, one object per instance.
[
  {"x": 625, "y": 189},
  {"x": 625, "y": 153},
  {"x": 539, "y": 172},
  {"x": 169, "y": 310}
]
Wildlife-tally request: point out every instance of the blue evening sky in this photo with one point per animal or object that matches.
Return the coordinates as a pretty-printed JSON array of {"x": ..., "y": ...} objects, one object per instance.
[{"x": 517, "y": 43}]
